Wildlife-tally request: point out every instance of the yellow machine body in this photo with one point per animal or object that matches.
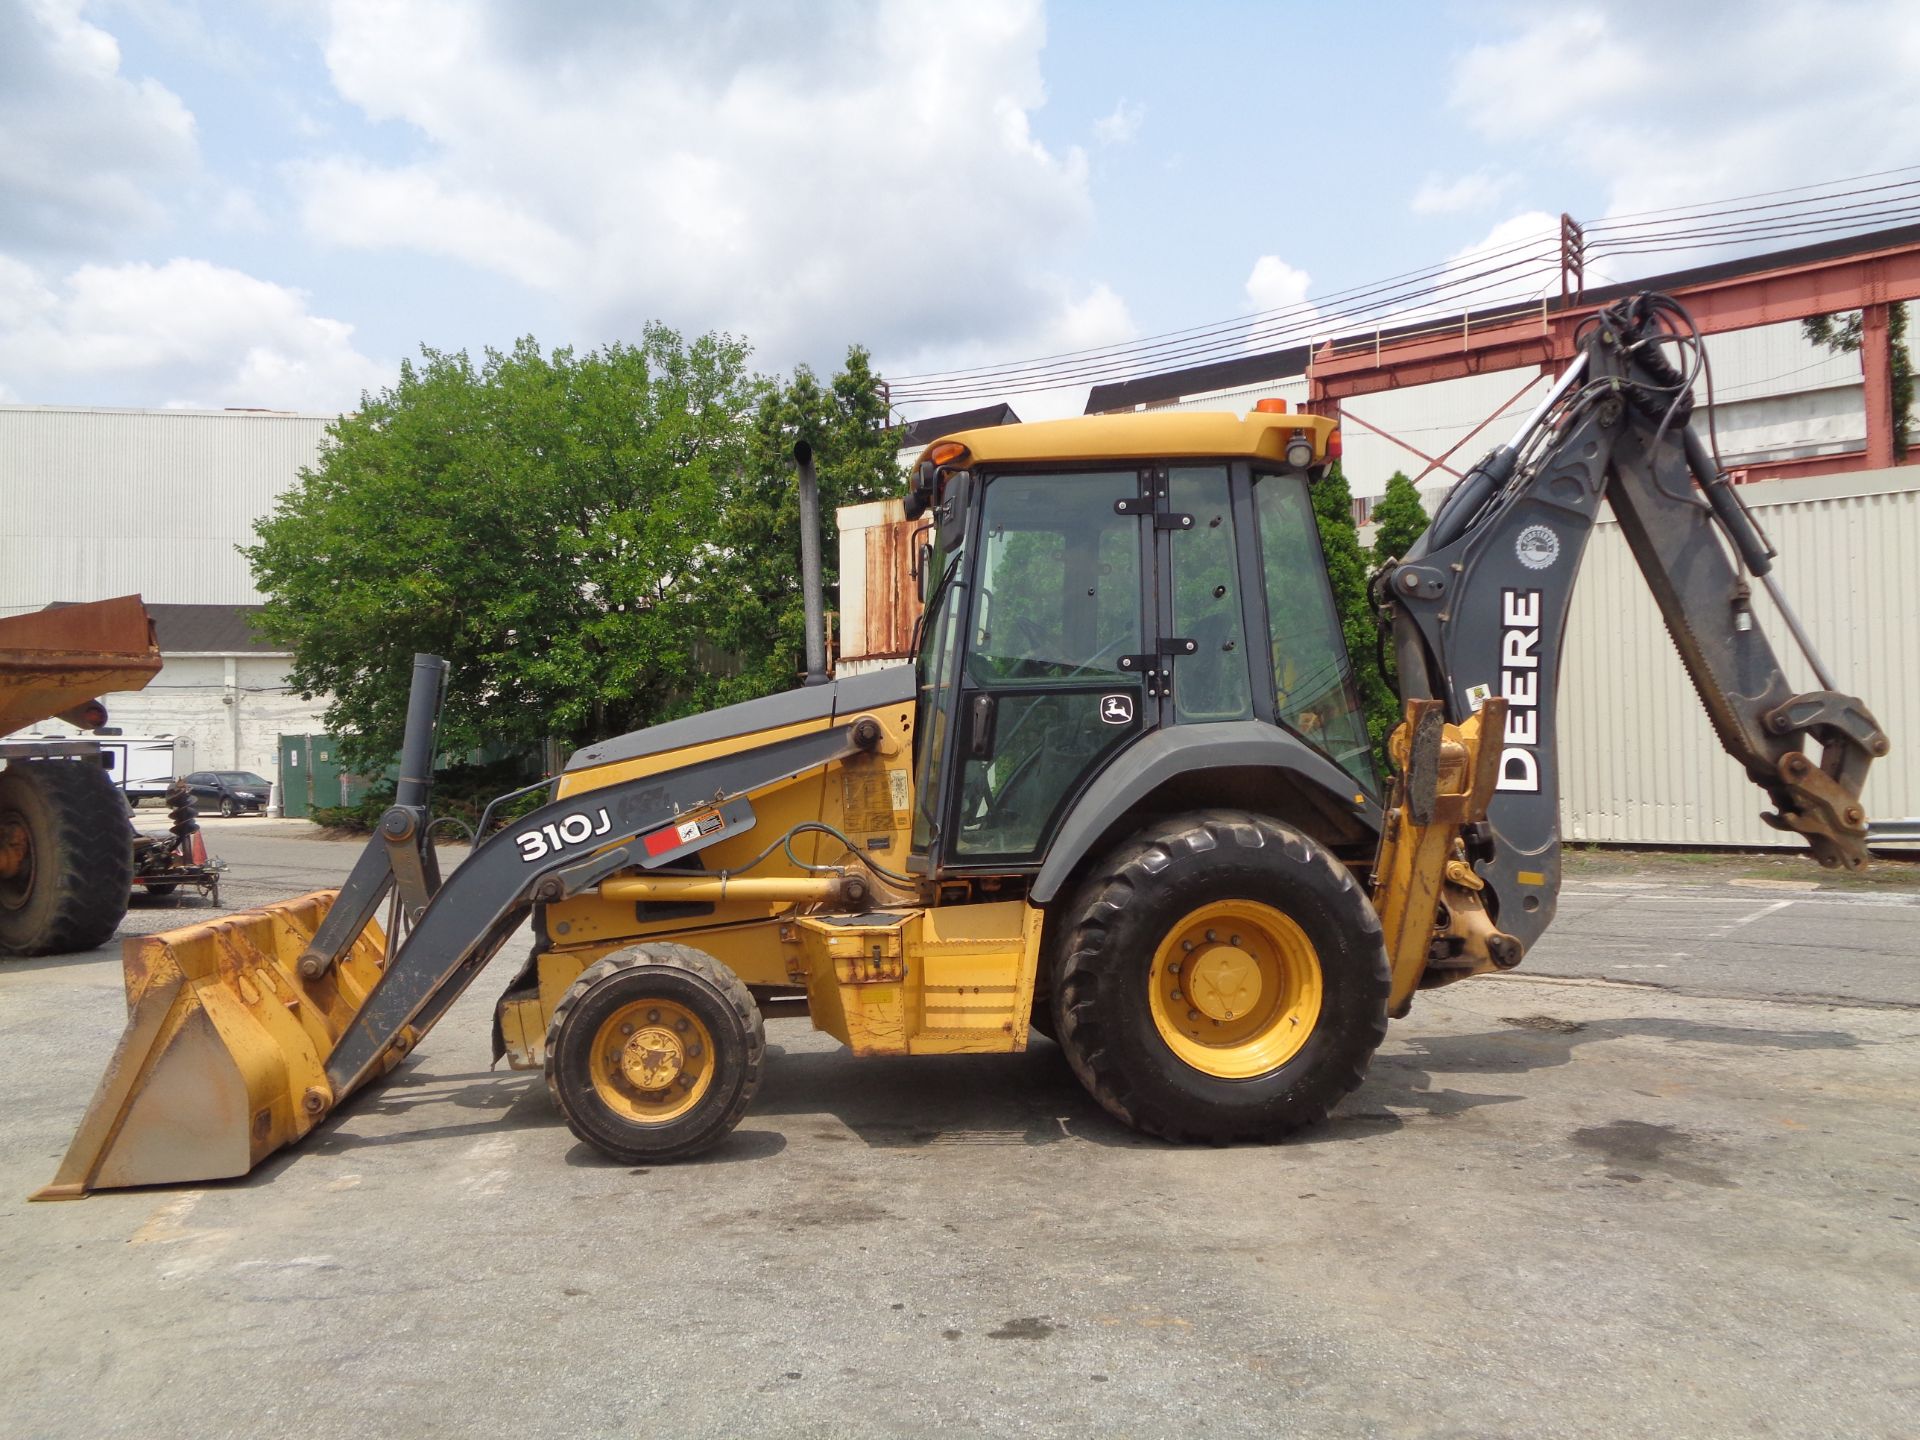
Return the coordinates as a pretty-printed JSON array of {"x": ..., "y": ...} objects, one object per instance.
[{"x": 894, "y": 979}]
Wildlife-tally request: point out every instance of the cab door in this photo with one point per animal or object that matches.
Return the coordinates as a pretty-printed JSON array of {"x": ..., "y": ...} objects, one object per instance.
[{"x": 1060, "y": 610}]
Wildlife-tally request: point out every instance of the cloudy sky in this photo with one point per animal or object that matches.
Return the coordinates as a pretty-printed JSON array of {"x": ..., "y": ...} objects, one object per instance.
[{"x": 271, "y": 203}]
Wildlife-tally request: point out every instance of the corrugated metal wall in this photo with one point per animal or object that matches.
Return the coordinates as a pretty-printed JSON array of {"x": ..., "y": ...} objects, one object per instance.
[
  {"x": 1639, "y": 762},
  {"x": 96, "y": 503}
]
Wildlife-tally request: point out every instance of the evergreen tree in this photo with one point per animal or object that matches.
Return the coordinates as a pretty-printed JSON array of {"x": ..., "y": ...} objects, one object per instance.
[
  {"x": 1347, "y": 571},
  {"x": 1398, "y": 520}
]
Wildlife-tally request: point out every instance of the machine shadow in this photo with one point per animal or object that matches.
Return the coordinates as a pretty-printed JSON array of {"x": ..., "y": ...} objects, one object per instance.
[
  {"x": 1413, "y": 1076},
  {"x": 1033, "y": 1098},
  {"x": 906, "y": 1102}
]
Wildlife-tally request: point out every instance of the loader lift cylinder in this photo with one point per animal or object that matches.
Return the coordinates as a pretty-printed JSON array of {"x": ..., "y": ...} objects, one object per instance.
[{"x": 415, "y": 784}]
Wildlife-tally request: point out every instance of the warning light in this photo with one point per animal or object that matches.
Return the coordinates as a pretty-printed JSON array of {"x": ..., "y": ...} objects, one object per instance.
[{"x": 1270, "y": 406}]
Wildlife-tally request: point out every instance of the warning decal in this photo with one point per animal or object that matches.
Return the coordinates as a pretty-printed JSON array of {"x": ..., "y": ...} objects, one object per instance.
[
  {"x": 684, "y": 832},
  {"x": 870, "y": 795}
]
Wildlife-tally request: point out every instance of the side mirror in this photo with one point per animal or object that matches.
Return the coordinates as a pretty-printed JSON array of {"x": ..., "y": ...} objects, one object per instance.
[{"x": 950, "y": 516}]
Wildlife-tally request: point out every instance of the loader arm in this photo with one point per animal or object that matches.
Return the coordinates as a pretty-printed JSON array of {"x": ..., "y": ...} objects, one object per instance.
[
  {"x": 244, "y": 1033},
  {"x": 1479, "y": 604}
]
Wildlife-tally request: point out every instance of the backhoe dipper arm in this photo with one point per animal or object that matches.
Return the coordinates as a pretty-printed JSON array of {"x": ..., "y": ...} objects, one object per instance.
[{"x": 1479, "y": 607}]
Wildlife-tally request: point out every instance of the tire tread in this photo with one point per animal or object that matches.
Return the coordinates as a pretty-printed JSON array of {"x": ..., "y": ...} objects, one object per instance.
[{"x": 1085, "y": 964}]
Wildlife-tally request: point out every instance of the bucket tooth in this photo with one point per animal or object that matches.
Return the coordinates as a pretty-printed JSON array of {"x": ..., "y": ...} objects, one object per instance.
[{"x": 223, "y": 1060}]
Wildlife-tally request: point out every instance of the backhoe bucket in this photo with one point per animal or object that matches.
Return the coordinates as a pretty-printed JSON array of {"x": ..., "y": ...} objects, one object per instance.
[{"x": 224, "y": 1056}]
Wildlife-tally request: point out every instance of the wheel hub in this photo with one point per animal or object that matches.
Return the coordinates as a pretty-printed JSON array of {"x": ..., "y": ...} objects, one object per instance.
[
  {"x": 1234, "y": 988},
  {"x": 1224, "y": 982},
  {"x": 653, "y": 1058}
]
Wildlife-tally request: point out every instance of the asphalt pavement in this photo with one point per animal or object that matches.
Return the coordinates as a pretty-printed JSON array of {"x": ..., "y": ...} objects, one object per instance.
[{"x": 1661, "y": 1182}]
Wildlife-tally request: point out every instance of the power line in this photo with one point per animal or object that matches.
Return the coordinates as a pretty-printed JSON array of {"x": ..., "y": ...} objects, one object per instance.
[{"x": 1440, "y": 289}]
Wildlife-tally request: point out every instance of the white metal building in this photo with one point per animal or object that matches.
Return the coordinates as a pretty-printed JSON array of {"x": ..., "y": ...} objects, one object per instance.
[
  {"x": 221, "y": 688},
  {"x": 96, "y": 503},
  {"x": 99, "y": 502}
]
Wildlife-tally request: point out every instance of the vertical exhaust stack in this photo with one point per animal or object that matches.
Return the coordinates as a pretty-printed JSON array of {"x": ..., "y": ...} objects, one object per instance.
[
  {"x": 415, "y": 785},
  {"x": 811, "y": 585}
]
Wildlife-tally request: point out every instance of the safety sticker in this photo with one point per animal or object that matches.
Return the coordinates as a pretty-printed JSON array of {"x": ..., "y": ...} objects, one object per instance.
[
  {"x": 684, "y": 833},
  {"x": 1478, "y": 695},
  {"x": 902, "y": 789}
]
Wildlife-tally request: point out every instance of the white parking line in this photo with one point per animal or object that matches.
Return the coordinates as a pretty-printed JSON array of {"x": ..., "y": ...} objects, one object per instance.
[{"x": 1733, "y": 925}]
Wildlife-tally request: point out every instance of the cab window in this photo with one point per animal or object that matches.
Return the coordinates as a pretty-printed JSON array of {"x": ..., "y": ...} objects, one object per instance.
[{"x": 1315, "y": 694}]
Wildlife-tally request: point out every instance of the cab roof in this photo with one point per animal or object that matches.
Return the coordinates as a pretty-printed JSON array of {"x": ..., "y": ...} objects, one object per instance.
[{"x": 1144, "y": 435}]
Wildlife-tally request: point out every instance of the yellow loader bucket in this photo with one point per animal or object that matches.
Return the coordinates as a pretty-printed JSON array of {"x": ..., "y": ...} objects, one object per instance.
[{"x": 224, "y": 1056}]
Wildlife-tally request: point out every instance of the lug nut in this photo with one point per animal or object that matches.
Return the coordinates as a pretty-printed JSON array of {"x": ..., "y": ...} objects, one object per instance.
[
  {"x": 693, "y": 1051},
  {"x": 1212, "y": 938},
  {"x": 1193, "y": 1014},
  {"x": 1234, "y": 941},
  {"x": 1177, "y": 995},
  {"x": 626, "y": 1029},
  {"x": 653, "y": 1017},
  {"x": 1174, "y": 968}
]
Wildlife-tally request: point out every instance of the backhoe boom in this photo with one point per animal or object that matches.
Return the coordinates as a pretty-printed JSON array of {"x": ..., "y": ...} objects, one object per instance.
[{"x": 1479, "y": 605}]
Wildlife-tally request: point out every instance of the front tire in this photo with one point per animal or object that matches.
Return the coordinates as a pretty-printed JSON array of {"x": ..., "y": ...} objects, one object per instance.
[
  {"x": 1222, "y": 977},
  {"x": 66, "y": 857},
  {"x": 654, "y": 1053}
]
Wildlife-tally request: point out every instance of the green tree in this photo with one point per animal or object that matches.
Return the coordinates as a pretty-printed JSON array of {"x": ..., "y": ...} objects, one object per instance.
[
  {"x": 1347, "y": 571},
  {"x": 1841, "y": 334},
  {"x": 751, "y": 600},
  {"x": 545, "y": 521},
  {"x": 1398, "y": 520}
]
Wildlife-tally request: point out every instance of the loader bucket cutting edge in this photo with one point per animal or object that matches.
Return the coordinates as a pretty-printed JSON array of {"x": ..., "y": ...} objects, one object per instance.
[{"x": 224, "y": 1056}]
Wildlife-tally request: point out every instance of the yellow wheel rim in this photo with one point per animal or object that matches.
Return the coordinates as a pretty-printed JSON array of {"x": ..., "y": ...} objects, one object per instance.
[
  {"x": 1235, "y": 989},
  {"x": 652, "y": 1061}
]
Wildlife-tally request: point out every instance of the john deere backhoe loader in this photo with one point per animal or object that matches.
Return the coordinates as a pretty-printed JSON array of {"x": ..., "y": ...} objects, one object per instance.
[{"x": 1124, "y": 794}]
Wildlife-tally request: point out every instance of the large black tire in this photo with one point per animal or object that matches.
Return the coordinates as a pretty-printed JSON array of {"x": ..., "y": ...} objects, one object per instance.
[
  {"x": 1139, "y": 900},
  {"x": 68, "y": 848},
  {"x": 649, "y": 990}
]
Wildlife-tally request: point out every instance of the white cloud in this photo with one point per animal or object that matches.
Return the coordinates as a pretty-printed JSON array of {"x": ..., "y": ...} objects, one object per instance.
[
  {"x": 805, "y": 175},
  {"x": 1478, "y": 191},
  {"x": 182, "y": 333},
  {"x": 1668, "y": 104},
  {"x": 348, "y": 203},
  {"x": 85, "y": 152},
  {"x": 1276, "y": 285},
  {"x": 1121, "y": 125}
]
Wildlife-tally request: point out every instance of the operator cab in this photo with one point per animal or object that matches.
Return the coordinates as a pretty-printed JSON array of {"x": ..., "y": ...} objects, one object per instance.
[{"x": 1089, "y": 584}]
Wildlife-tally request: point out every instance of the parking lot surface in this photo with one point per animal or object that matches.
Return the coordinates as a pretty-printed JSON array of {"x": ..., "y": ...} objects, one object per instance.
[{"x": 1661, "y": 1182}]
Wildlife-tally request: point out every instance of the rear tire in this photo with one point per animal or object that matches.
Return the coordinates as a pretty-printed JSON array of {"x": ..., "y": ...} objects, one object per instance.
[
  {"x": 654, "y": 1053},
  {"x": 1286, "y": 975},
  {"x": 66, "y": 846}
]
